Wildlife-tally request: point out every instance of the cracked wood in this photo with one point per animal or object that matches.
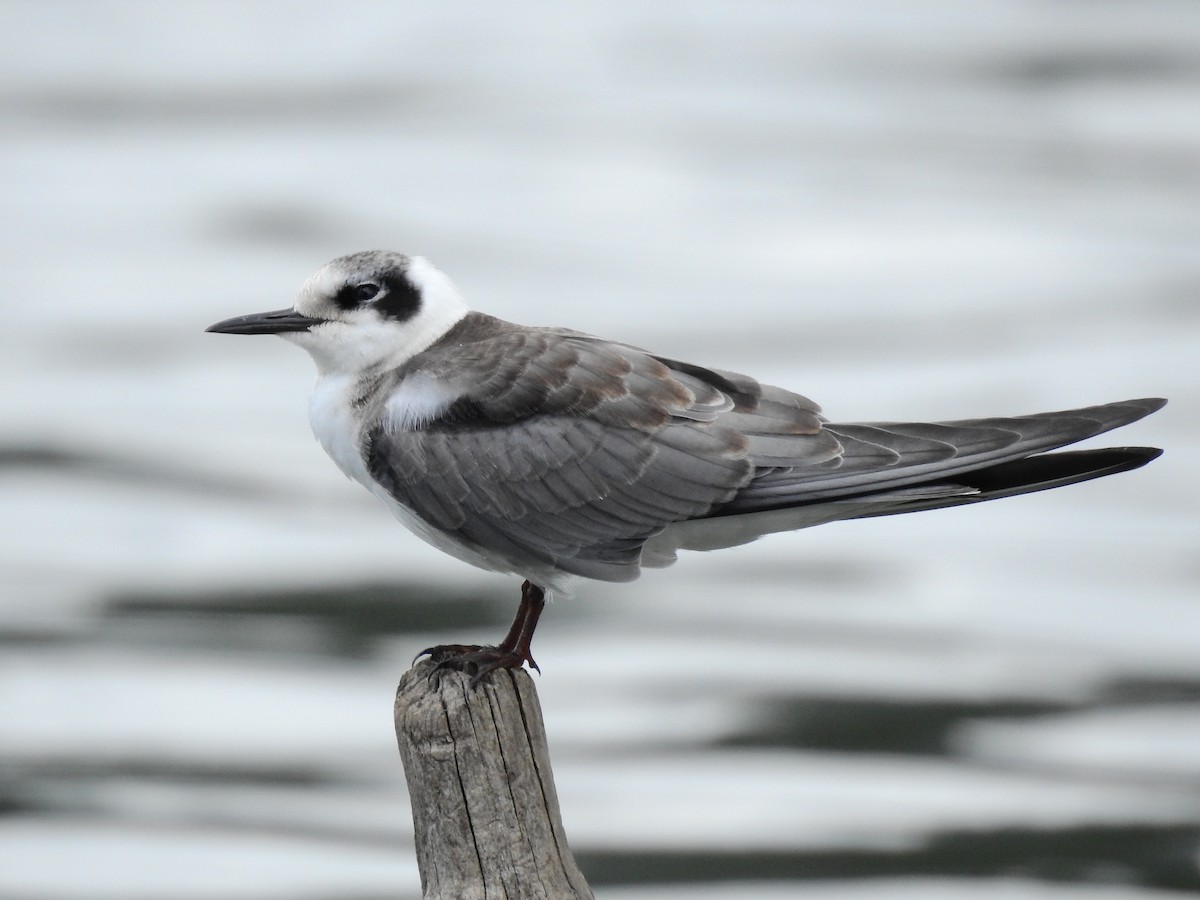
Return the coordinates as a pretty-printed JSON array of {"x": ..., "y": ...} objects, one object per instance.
[{"x": 483, "y": 799}]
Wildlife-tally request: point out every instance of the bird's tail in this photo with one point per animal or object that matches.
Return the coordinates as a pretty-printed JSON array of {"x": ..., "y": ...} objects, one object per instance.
[
  {"x": 1026, "y": 476},
  {"x": 892, "y": 468}
]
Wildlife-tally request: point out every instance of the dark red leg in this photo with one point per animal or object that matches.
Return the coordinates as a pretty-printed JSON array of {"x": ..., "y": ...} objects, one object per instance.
[{"x": 511, "y": 653}]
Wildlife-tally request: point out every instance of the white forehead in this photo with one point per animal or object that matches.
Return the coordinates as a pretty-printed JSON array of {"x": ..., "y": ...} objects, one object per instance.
[{"x": 325, "y": 282}]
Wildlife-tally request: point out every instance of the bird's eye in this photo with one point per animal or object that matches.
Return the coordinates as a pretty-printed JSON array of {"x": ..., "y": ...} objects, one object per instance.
[{"x": 366, "y": 291}]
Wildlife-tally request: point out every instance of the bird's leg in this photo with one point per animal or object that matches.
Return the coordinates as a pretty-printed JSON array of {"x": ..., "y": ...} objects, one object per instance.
[
  {"x": 516, "y": 642},
  {"x": 511, "y": 653}
]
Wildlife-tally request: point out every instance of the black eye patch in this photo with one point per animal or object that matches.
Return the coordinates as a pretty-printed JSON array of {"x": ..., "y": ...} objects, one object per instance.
[
  {"x": 393, "y": 296},
  {"x": 402, "y": 299}
]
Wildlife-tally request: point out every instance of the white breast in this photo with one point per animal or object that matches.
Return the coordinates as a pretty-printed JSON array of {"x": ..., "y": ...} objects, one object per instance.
[{"x": 337, "y": 428}]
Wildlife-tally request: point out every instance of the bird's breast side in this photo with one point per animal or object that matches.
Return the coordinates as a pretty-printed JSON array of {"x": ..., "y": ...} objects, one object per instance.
[{"x": 337, "y": 426}]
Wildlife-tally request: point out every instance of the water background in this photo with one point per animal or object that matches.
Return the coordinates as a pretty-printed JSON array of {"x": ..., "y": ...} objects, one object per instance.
[{"x": 917, "y": 210}]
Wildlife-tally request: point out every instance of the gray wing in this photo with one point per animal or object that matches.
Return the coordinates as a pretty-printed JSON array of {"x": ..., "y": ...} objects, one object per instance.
[
  {"x": 571, "y": 451},
  {"x": 574, "y": 452},
  {"x": 570, "y": 493}
]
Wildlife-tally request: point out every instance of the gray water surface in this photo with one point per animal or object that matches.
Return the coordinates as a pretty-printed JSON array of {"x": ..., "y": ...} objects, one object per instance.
[{"x": 918, "y": 210}]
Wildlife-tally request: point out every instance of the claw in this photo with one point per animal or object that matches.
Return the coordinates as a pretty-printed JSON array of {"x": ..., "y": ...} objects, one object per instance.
[
  {"x": 438, "y": 652},
  {"x": 475, "y": 661}
]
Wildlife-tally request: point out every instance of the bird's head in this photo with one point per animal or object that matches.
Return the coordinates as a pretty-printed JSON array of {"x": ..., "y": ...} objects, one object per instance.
[{"x": 362, "y": 311}]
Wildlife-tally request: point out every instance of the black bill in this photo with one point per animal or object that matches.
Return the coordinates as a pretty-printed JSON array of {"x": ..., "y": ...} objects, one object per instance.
[{"x": 274, "y": 322}]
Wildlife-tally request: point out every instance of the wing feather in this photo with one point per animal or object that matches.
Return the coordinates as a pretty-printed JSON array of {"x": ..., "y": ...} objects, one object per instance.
[
  {"x": 883, "y": 456},
  {"x": 590, "y": 495},
  {"x": 573, "y": 452}
]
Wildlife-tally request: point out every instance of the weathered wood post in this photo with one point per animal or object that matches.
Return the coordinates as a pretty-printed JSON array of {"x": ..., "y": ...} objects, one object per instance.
[{"x": 483, "y": 798}]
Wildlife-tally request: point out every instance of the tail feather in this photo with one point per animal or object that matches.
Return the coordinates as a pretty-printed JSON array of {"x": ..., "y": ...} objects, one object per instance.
[
  {"x": 1029, "y": 475},
  {"x": 991, "y": 459},
  {"x": 885, "y": 455}
]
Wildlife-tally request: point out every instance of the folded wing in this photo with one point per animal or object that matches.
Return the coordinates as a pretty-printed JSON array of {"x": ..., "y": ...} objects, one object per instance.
[{"x": 595, "y": 458}]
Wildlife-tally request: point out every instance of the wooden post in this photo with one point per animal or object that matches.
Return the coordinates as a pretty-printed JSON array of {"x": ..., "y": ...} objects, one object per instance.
[{"x": 483, "y": 798}]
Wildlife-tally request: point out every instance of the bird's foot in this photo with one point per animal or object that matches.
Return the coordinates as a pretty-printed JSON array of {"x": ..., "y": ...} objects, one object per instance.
[
  {"x": 474, "y": 660},
  {"x": 511, "y": 653}
]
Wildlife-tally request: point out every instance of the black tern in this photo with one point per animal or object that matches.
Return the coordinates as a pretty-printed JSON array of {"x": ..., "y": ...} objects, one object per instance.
[{"x": 552, "y": 454}]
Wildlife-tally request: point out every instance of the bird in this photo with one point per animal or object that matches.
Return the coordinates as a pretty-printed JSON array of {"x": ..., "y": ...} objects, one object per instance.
[{"x": 555, "y": 455}]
